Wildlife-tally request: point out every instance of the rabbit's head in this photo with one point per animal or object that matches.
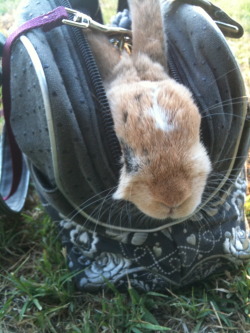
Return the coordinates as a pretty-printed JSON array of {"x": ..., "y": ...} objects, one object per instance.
[{"x": 165, "y": 166}]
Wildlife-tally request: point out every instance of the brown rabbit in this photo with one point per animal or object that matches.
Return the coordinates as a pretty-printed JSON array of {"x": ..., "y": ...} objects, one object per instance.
[{"x": 165, "y": 166}]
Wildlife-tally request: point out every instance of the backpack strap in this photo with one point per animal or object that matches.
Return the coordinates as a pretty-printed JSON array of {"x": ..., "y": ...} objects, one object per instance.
[
  {"x": 227, "y": 25},
  {"x": 14, "y": 174}
]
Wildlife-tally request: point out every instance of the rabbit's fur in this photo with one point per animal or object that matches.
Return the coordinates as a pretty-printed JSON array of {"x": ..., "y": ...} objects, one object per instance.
[{"x": 164, "y": 164}]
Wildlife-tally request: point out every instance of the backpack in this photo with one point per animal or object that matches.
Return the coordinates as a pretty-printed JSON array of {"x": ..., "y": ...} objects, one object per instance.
[{"x": 59, "y": 131}]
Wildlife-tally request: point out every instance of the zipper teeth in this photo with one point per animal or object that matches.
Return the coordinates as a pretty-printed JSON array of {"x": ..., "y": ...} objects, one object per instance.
[
  {"x": 98, "y": 89},
  {"x": 173, "y": 69},
  {"x": 100, "y": 93}
]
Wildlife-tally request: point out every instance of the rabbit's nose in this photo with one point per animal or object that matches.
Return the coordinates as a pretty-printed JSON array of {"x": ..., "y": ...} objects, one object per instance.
[{"x": 169, "y": 209}]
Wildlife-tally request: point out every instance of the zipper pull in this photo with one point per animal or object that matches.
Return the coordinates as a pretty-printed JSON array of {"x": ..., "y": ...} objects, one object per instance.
[{"x": 84, "y": 21}]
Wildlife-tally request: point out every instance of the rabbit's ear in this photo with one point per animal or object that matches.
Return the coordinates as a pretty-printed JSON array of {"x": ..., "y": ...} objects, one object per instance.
[
  {"x": 105, "y": 54},
  {"x": 147, "y": 27}
]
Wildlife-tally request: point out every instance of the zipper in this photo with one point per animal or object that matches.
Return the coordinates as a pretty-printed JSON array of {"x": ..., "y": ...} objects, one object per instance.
[{"x": 97, "y": 88}]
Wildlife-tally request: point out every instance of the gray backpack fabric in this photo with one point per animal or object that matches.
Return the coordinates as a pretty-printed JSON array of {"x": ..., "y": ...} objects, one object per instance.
[{"x": 62, "y": 123}]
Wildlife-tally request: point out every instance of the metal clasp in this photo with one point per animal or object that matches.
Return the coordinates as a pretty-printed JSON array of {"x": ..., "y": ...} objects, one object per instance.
[
  {"x": 84, "y": 21},
  {"x": 79, "y": 19}
]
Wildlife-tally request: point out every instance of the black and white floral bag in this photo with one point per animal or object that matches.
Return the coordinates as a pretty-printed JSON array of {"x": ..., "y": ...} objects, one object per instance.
[{"x": 59, "y": 130}]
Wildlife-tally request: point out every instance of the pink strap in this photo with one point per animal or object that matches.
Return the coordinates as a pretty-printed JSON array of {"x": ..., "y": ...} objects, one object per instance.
[{"x": 47, "y": 21}]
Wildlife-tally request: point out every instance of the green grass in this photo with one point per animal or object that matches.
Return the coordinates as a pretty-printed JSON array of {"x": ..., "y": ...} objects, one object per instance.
[
  {"x": 37, "y": 292},
  {"x": 7, "y": 6},
  {"x": 110, "y": 9}
]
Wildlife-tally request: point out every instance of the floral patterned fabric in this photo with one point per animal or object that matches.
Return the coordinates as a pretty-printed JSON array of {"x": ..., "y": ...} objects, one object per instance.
[{"x": 214, "y": 239}]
